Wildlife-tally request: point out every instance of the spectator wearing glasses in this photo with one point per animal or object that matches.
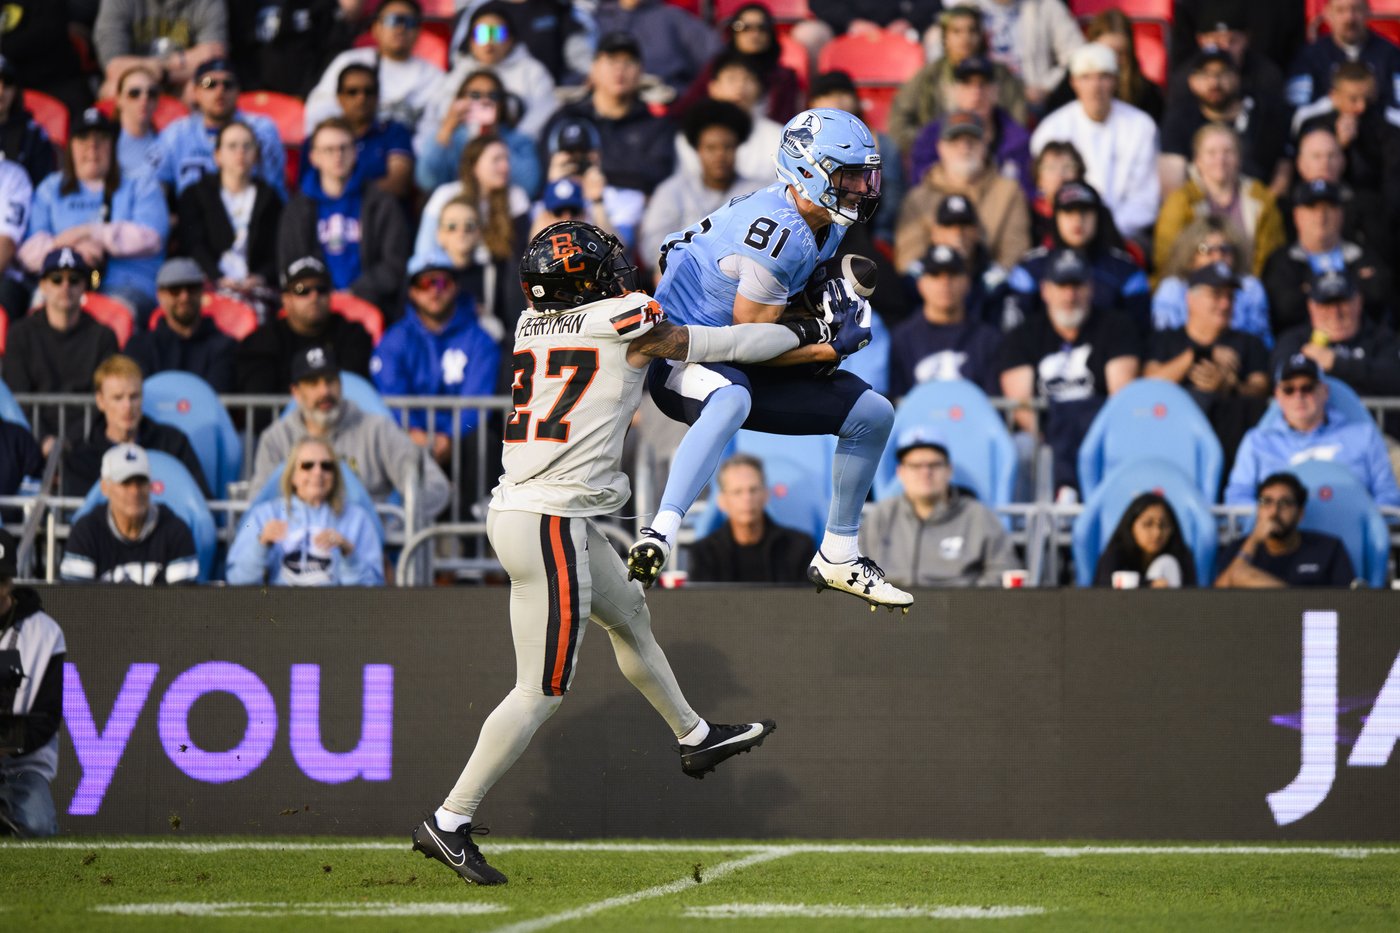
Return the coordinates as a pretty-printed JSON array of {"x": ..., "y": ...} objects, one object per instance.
[
  {"x": 228, "y": 222},
  {"x": 264, "y": 362},
  {"x": 186, "y": 149},
  {"x": 383, "y": 147},
  {"x": 749, "y": 32},
  {"x": 935, "y": 533},
  {"x": 138, "y": 91},
  {"x": 184, "y": 338},
  {"x": 1277, "y": 553},
  {"x": 308, "y": 535},
  {"x": 1310, "y": 429},
  {"x": 407, "y": 83},
  {"x": 1206, "y": 241},
  {"x": 559, "y": 35},
  {"x": 358, "y": 231},
  {"x": 483, "y": 107},
  {"x": 173, "y": 39},
  {"x": 492, "y": 43}
]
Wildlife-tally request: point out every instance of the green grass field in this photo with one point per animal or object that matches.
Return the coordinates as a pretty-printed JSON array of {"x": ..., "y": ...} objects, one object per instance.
[{"x": 715, "y": 887}]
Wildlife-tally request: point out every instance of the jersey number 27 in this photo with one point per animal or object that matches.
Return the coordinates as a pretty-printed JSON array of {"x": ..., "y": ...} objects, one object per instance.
[{"x": 582, "y": 364}]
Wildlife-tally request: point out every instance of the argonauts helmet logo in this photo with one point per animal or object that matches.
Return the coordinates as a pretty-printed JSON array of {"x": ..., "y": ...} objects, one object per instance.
[{"x": 801, "y": 134}]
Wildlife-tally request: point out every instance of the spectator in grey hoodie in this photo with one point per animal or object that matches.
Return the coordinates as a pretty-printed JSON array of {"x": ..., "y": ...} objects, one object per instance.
[{"x": 934, "y": 533}]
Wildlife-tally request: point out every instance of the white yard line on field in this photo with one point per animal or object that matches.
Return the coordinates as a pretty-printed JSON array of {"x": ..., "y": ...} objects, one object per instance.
[
  {"x": 857, "y": 912},
  {"x": 295, "y": 909}
]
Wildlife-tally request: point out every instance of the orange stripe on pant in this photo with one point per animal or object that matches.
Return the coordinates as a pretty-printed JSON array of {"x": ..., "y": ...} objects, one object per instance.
[{"x": 566, "y": 604}]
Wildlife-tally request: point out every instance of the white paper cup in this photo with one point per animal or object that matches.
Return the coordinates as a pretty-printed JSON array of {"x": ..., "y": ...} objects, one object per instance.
[
  {"x": 1014, "y": 579},
  {"x": 1126, "y": 579},
  {"x": 673, "y": 579}
]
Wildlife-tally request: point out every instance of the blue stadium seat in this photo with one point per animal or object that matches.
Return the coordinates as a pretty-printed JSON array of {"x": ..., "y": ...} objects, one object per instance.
[
  {"x": 984, "y": 457},
  {"x": 185, "y": 401},
  {"x": 354, "y": 492},
  {"x": 9, "y": 408},
  {"x": 873, "y": 362},
  {"x": 1340, "y": 506},
  {"x": 174, "y": 487},
  {"x": 1095, "y": 525},
  {"x": 359, "y": 390},
  {"x": 1151, "y": 418},
  {"x": 1341, "y": 398}
]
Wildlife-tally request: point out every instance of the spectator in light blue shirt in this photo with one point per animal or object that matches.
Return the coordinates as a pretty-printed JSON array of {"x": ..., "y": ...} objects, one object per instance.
[
  {"x": 138, "y": 91},
  {"x": 1310, "y": 429},
  {"x": 118, "y": 225},
  {"x": 186, "y": 148}
]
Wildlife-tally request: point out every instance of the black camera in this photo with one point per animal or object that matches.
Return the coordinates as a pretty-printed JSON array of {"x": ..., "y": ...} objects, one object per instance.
[{"x": 11, "y": 726}]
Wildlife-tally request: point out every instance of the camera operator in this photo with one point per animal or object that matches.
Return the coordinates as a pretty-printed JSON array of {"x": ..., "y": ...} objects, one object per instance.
[{"x": 31, "y": 704}]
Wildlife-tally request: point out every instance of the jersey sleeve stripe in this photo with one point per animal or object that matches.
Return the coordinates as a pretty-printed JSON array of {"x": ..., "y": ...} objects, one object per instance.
[{"x": 627, "y": 321}]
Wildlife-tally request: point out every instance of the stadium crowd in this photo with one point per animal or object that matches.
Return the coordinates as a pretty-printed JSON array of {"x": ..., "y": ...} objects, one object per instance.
[{"x": 278, "y": 196}]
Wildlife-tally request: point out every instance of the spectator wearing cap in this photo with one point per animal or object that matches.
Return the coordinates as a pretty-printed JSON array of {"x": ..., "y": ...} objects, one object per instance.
[
  {"x": 1261, "y": 38},
  {"x": 637, "y": 148},
  {"x": 714, "y": 130},
  {"x": 1319, "y": 157},
  {"x": 263, "y": 365},
  {"x": 1052, "y": 167},
  {"x": 1112, "y": 27},
  {"x": 974, "y": 90},
  {"x": 492, "y": 42},
  {"x": 1317, "y": 216},
  {"x": 673, "y": 43},
  {"x": 946, "y": 341},
  {"x": 736, "y": 79},
  {"x": 117, "y": 224},
  {"x": 379, "y": 452},
  {"x": 1036, "y": 39},
  {"x": 438, "y": 348},
  {"x": 129, "y": 539},
  {"x": 1225, "y": 370},
  {"x": 962, "y": 168},
  {"x": 384, "y": 155},
  {"x": 482, "y": 107},
  {"x": 172, "y": 39},
  {"x": 955, "y": 225},
  {"x": 1217, "y": 188},
  {"x": 57, "y": 348},
  {"x": 356, "y": 229},
  {"x": 924, "y": 97},
  {"x": 22, "y": 140},
  {"x": 560, "y": 36},
  {"x": 751, "y": 33},
  {"x": 1310, "y": 428},
  {"x": 934, "y": 533},
  {"x": 1206, "y": 241},
  {"x": 1276, "y": 553},
  {"x": 562, "y": 200},
  {"x": 1073, "y": 357},
  {"x": 750, "y": 547},
  {"x": 185, "y": 151},
  {"x": 26, "y": 801},
  {"x": 1348, "y": 39},
  {"x": 1344, "y": 344},
  {"x": 1117, "y": 140},
  {"x": 1216, "y": 98},
  {"x": 184, "y": 339},
  {"x": 119, "y": 420},
  {"x": 1120, "y": 285},
  {"x": 283, "y": 46},
  {"x": 228, "y": 222},
  {"x": 408, "y": 84}
]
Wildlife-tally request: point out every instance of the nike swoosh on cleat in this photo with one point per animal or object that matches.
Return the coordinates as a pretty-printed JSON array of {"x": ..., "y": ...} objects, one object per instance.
[
  {"x": 456, "y": 858},
  {"x": 738, "y": 738}
]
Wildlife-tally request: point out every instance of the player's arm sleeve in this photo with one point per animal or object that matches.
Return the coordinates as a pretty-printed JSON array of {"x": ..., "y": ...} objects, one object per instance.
[
  {"x": 757, "y": 282},
  {"x": 739, "y": 343}
]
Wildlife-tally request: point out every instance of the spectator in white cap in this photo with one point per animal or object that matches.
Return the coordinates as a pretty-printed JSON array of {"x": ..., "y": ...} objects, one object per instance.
[
  {"x": 1117, "y": 140},
  {"x": 184, "y": 338},
  {"x": 128, "y": 540},
  {"x": 934, "y": 533}
]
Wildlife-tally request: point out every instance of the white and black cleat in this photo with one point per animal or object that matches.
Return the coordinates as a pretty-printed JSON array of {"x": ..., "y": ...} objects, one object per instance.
[
  {"x": 456, "y": 850},
  {"x": 647, "y": 556},
  {"x": 862, "y": 578},
  {"x": 723, "y": 742}
]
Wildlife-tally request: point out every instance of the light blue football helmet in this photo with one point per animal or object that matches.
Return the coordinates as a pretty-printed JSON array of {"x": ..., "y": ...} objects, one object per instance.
[{"x": 830, "y": 156}]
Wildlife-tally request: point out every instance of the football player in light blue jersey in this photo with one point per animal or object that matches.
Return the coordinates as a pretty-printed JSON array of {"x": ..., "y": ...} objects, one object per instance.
[{"x": 744, "y": 263}]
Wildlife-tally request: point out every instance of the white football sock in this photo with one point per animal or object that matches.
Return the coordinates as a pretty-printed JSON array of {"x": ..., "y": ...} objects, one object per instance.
[
  {"x": 667, "y": 523},
  {"x": 840, "y": 549},
  {"x": 697, "y": 735},
  {"x": 450, "y": 821}
]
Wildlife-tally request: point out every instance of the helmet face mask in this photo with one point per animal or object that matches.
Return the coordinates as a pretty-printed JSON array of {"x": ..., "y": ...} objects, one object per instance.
[
  {"x": 572, "y": 263},
  {"x": 830, "y": 157}
]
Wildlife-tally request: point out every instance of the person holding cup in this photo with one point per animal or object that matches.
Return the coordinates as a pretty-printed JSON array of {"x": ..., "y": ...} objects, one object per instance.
[
  {"x": 935, "y": 533},
  {"x": 1146, "y": 549}
]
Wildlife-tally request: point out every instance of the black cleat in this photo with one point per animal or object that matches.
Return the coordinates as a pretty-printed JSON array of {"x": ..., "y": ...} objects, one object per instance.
[
  {"x": 647, "y": 556},
  {"x": 722, "y": 742},
  {"x": 456, "y": 850}
]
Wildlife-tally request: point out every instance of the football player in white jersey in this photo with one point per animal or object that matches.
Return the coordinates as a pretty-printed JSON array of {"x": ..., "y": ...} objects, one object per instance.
[{"x": 581, "y": 355}]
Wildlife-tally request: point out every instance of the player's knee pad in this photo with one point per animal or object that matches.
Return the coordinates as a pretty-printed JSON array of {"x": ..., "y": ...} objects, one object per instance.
[
  {"x": 730, "y": 404},
  {"x": 871, "y": 416}
]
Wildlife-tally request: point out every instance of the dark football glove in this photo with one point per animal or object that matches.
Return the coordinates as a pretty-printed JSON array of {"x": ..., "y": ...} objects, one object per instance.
[
  {"x": 850, "y": 317},
  {"x": 808, "y": 330}
]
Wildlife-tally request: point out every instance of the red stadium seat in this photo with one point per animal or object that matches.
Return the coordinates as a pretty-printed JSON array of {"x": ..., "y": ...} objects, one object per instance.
[
  {"x": 50, "y": 113},
  {"x": 230, "y": 315},
  {"x": 4, "y": 331},
  {"x": 878, "y": 64},
  {"x": 690, "y": 6},
  {"x": 1133, "y": 9},
  {"x": 439, "y": 9},
  {"x": 289, "y": 113},
  {"x": 1388, "y": 29},
  {"x": 361, "y": 312},
  {"x": 430, "y": 46},
  {"x": 794, "y": 55},
  {"x": 1150, "y": 40},
  {"x": 785, "y": 12},
  {"x": 112, "y": 313},
  {"x": 168, "y": 110}
]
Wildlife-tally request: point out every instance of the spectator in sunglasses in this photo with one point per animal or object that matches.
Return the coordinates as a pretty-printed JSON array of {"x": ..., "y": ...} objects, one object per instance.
[
  {"x": 383, "y": 147},
  {"x": 186, "y": 149},
  {"x": 309, "y": 535},
  {"x": 482, "y": 106},
  {"x": 406, "y": 81},
  {"x": 138, "y": 92},
  {"x": 173, "y": 39},
  {"x": 558, "y": 35},
  {"x": 492, "y": 42}
]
